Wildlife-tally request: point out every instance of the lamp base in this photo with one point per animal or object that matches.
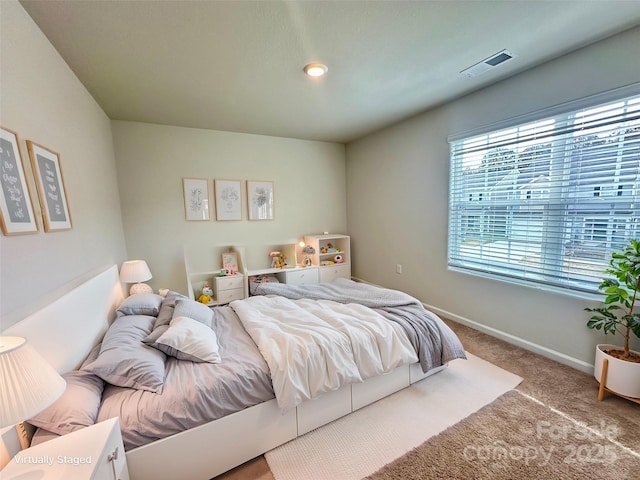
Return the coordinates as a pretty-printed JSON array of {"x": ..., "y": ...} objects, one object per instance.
[{"x": 140, "y": 288}]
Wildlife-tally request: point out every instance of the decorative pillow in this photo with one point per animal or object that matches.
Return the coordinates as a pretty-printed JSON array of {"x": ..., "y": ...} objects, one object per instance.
[
  {"x": 187, "y": 339},
  {"x": 155, "y": 335},
  {"x": 76, "y": 408},
  {"x": 127, "y": 362},
  {"x": 141, "y": 304},
  {"x": 192, "y": 309},
  {"x": 166, "y": 309}
]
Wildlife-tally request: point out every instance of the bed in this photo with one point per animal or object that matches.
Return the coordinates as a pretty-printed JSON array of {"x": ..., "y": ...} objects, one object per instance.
[{"x": 246, "y": 381}]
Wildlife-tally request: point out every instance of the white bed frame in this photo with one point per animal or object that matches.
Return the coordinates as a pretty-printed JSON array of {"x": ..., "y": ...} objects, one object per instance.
[{"x": 65, "y": 331}]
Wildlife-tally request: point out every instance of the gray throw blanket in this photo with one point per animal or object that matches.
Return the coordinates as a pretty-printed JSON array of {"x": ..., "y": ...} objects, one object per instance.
[{"x": 434, "y": 342}]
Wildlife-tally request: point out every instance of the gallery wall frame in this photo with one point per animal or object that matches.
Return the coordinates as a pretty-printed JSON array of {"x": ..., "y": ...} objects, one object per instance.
[
  {"x": 228, "y": 199},
  {"x": 17, "y": 216},
  {"x": 196, "y": 199},
  {"x": 52, "y": 193},
  {"x": 260, "y": 200}
]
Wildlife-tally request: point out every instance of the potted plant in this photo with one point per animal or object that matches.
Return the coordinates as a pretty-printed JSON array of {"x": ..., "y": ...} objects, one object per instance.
[{"x": 616, "y": 314}]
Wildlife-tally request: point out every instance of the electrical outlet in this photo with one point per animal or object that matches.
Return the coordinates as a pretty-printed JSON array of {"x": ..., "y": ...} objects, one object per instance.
[{"x": 398, "y": 268}]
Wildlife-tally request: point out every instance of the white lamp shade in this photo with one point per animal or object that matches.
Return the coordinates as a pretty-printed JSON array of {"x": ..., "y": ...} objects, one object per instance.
[
  {"x": 134, "y": 271},
  {"x": 28, "y": 383}
]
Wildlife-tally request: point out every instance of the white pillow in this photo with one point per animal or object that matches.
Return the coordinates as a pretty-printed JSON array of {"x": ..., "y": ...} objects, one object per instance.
[{"x": 188, "y": 339}]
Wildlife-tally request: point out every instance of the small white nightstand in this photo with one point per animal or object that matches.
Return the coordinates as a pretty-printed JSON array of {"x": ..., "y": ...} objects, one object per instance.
[
  {"x": 92, "y": 453},
  {"x": 228, "y": 288}
]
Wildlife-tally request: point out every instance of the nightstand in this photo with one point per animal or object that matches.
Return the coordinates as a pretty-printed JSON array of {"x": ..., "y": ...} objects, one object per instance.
[
  {"x": 91, "y": 453},
  {"x": 228, "y": 288}
]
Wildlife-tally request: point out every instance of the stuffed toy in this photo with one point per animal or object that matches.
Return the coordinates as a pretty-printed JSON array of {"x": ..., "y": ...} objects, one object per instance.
[
  {"x": 275, "y": 259},
  {"x": 207, "y": 294}
]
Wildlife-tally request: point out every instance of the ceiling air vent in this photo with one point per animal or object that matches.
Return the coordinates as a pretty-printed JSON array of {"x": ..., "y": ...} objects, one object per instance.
[{"x": 488, "y": 63}]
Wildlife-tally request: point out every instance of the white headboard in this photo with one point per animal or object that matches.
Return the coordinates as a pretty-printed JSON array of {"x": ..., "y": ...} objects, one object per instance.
[{"x": 65, "y": 331}]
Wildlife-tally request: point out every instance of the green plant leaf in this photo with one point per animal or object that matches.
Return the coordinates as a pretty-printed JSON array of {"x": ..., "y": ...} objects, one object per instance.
[{"x": 620, "y": 287}]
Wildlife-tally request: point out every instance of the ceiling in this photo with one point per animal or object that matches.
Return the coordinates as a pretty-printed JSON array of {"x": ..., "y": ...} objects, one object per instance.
[{"x": 237, "y": 65}]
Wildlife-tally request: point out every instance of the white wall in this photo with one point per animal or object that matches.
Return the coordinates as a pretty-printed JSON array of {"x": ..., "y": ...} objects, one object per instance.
[
  {"x": 309, "y": 187},
  {"x": 397, "y": 202},
  {"x": 43, "y": 101}
]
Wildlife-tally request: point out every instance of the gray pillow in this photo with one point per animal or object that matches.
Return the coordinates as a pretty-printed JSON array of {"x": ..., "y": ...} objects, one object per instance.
[
  {"x": 155, "y": 335},
  {"x": 187, "y": 339},
  {"x": 41, "y": 436},
  {"x": 141, "y": 304},
  {"x": 195, "y": 310},
  {"x": 76, "y": 408},
  {"x": 127, "y": 362},
  {"x": 166, "y": 309}
]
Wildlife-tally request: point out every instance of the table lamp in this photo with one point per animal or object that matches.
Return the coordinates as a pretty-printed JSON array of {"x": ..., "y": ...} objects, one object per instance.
[
  {"x": 308, "y": 250},
  {"x": 29, "y": 383},
  {"x": 136, "y": 272}
]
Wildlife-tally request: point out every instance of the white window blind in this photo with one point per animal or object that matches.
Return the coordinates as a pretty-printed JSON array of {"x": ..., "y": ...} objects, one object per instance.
[{"x": 547, "y": 201}]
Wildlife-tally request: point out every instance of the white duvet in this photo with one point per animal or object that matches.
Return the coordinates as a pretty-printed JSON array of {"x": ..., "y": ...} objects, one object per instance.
[{"x": 317, "y": 346}]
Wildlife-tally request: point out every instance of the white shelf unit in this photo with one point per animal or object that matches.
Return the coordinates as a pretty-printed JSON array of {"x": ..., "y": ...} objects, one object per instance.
[
  {"x": 327, "y": 247},
  {"x": 203, "y": 264},
  {"x": 225, "y": 288}
]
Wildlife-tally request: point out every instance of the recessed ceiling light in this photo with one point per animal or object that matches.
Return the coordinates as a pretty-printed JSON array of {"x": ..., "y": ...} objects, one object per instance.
[{"x": 315, "y": 69}]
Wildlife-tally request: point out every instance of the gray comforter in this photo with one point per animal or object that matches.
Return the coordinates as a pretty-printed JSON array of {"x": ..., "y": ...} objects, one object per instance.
[
  {"x": 434, "y": 342},
  {"x": 193, "y": 393}
]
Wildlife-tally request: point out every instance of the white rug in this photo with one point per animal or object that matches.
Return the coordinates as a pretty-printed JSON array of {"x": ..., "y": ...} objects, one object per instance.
[{"x": 359, "y": 444}]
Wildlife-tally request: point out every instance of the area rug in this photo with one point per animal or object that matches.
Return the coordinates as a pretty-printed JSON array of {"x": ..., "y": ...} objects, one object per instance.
[
  {"x": 519, "y": 437},
  {"x": 359, "y": 444}
]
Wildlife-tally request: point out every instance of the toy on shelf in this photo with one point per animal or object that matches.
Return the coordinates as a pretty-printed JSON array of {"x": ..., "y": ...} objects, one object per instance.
[
  {"x": 338, "y": 259},
  {"x": 275, "y": 259},
  {"x": 278, "y": 260},
  {"x": 330, "y": 248},
  {"x": 207, "y": 294}
]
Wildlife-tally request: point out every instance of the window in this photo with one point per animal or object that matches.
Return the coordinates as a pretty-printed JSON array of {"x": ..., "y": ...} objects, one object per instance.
[{"x": 547, "y": 201}]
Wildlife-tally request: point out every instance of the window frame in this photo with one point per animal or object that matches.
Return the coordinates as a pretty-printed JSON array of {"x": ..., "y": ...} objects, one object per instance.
[{"x": 603, "y": 227}]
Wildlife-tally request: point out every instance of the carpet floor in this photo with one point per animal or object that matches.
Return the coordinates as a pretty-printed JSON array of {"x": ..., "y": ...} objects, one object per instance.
[{"x": 550, "y": 408}]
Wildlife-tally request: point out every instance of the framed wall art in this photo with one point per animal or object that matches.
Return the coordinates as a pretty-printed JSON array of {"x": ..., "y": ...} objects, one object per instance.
[
  {"x": 260, "y": 200},
  {"x": 196, "y": 199},
  {"x": 50, "y": 185},
  {"x": 230, "y": 263},
  {"x": 16, "y": 207},
  {"x": 228, "y": 200}
]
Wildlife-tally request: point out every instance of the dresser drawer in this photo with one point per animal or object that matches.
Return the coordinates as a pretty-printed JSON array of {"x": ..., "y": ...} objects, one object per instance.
[
  {"x": 230, "y": 282},
  {"x": 226, "y": 296},
  {"x": 301, "y": 277},
  {"x": 330, "y": 273}
]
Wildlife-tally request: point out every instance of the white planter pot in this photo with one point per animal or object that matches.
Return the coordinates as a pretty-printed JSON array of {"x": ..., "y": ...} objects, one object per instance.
[{"x": 622, "y": 377}]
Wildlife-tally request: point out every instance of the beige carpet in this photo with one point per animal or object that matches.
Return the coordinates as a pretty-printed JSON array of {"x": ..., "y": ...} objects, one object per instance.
[
  {"x": 357, "y": 445},
  {"x": 518, "y": 437}
]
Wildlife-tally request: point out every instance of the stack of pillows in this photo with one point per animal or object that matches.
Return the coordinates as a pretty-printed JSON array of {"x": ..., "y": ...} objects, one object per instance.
[{"x": 148, "y": 327}]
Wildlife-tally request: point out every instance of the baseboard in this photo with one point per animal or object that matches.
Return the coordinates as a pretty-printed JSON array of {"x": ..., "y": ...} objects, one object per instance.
[
  {"x": 520, "y": 342},
  {"x": 507, "y": 337}
]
